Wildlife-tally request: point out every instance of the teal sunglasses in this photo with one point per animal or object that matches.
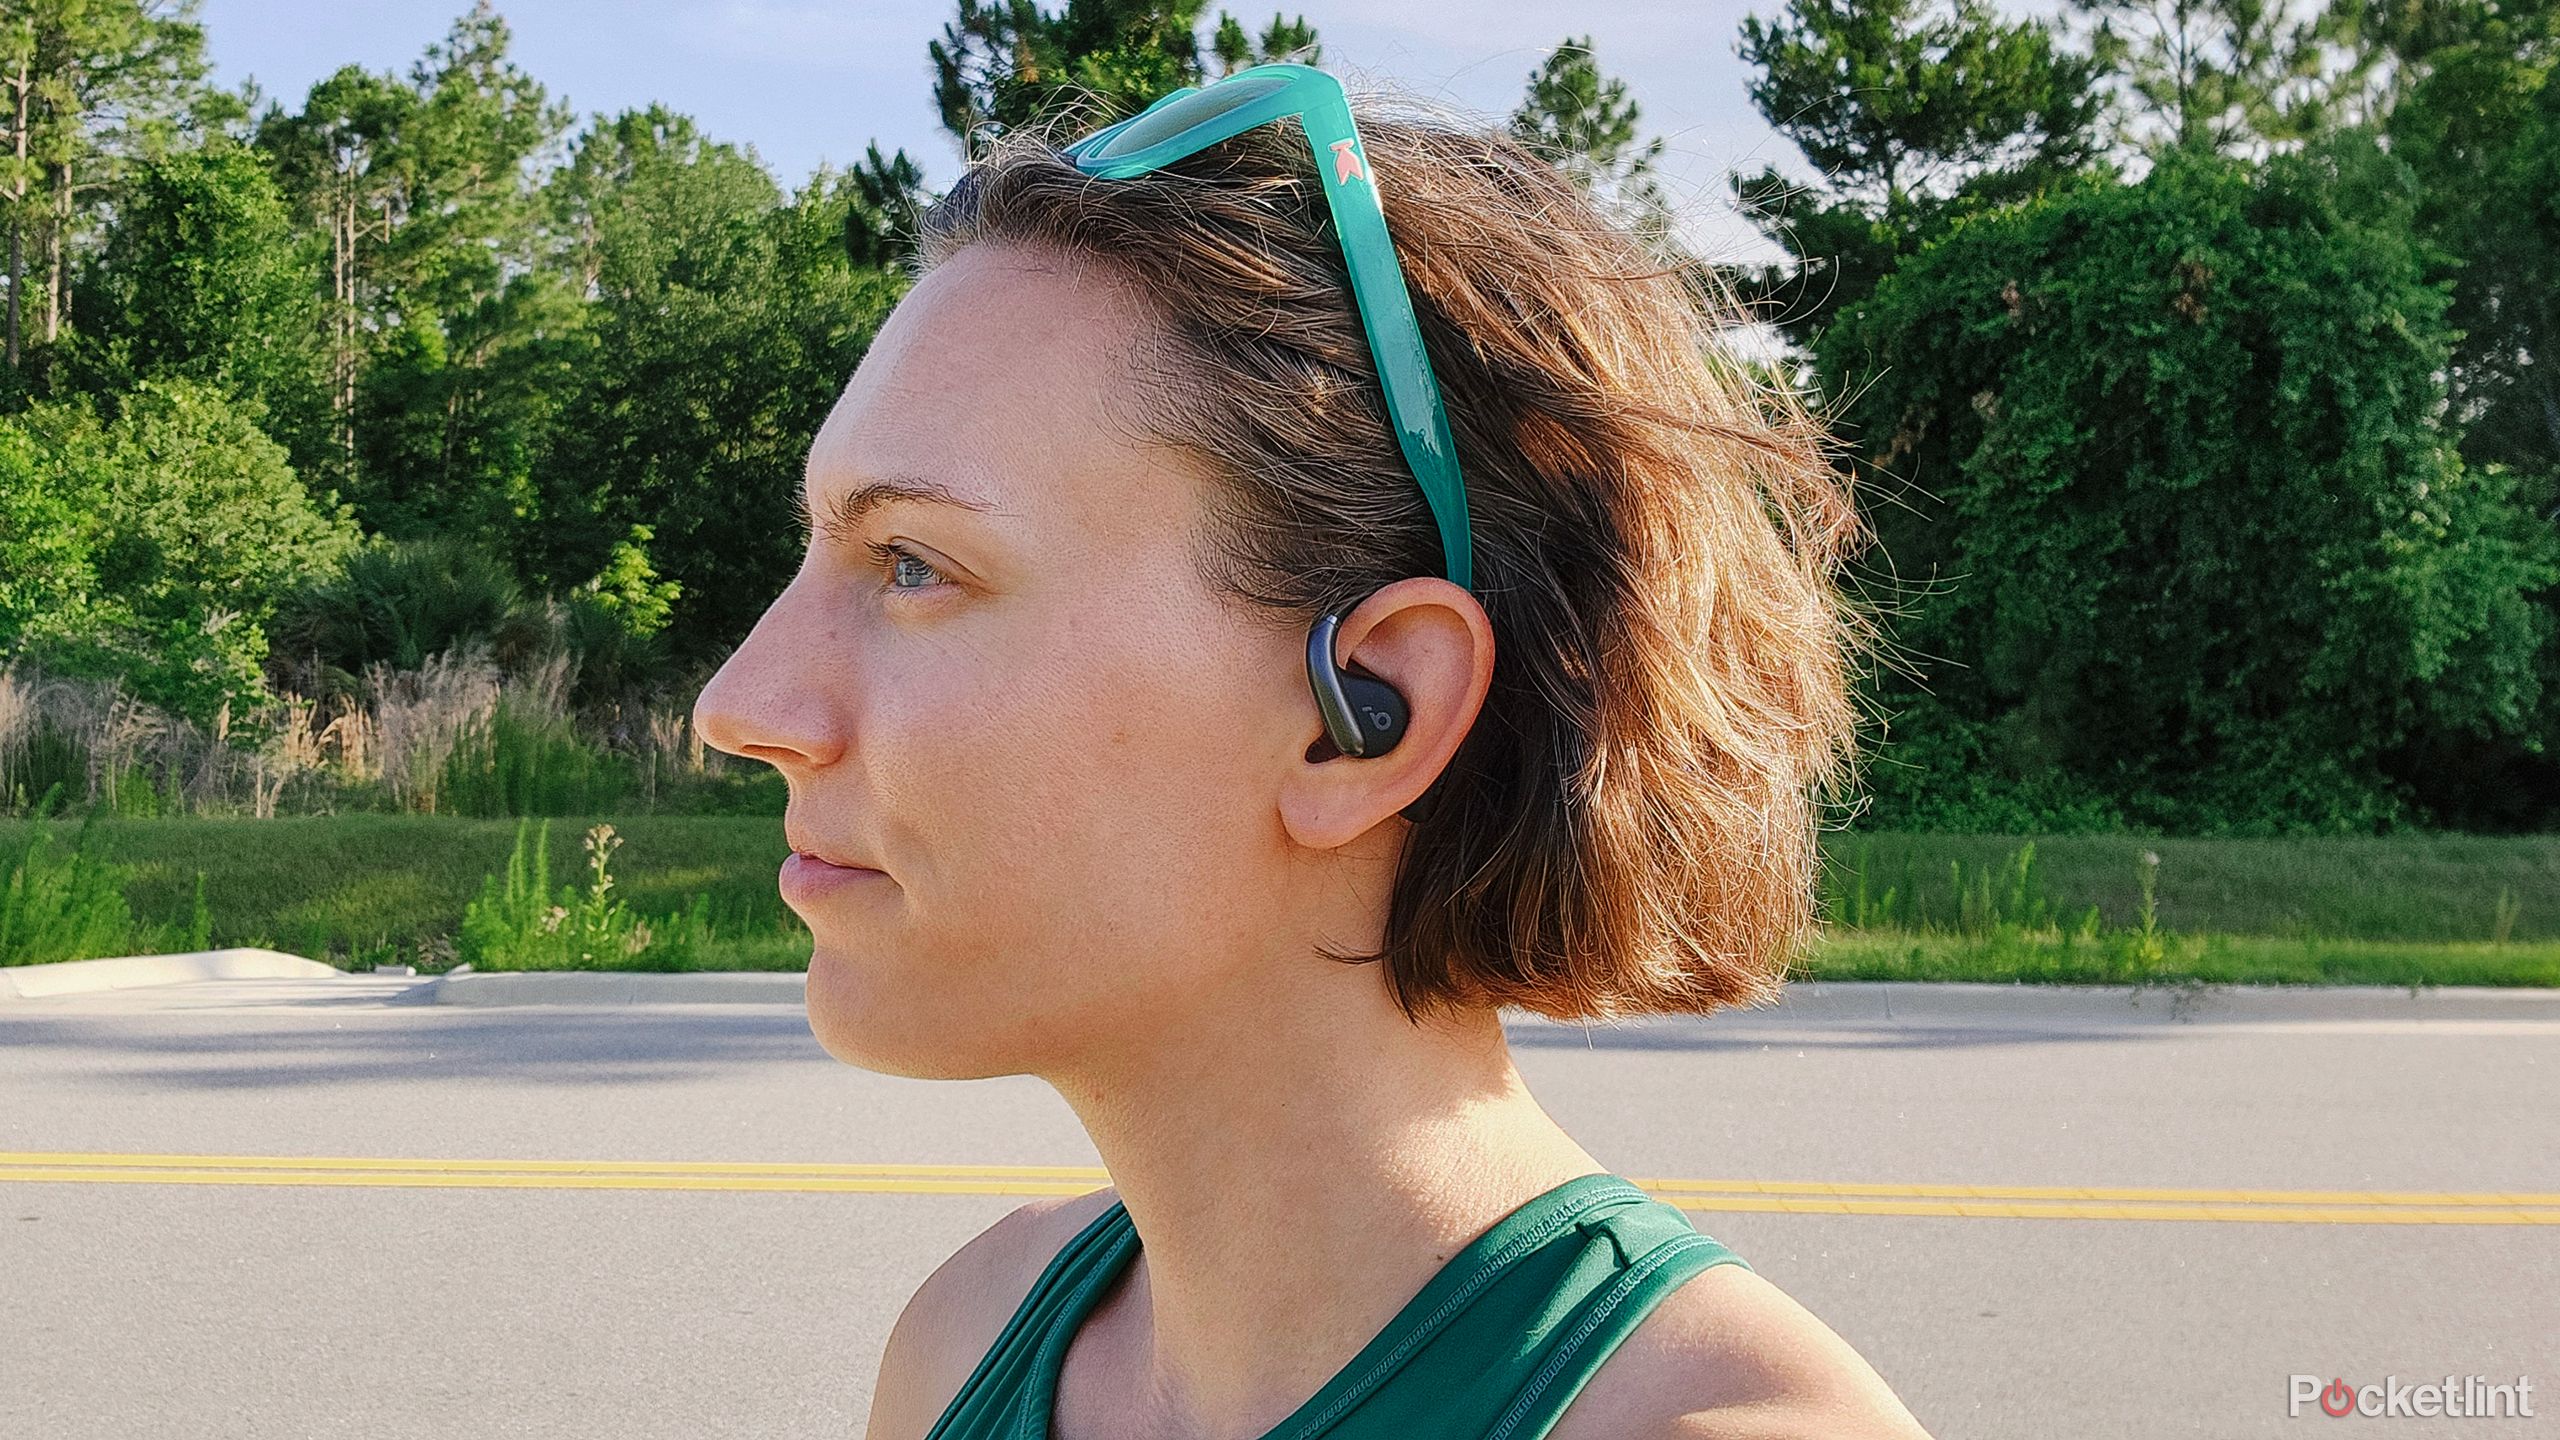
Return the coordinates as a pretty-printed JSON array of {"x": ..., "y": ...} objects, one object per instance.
[{"x": 1192, "y": 119}]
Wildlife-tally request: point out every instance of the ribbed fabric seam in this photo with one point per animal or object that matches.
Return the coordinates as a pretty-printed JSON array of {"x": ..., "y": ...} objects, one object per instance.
[
  {"x": 1026, "y": 1425},
  {"x": 1485, "y": 1275},
  {"x": 1625, "y": 1285}
]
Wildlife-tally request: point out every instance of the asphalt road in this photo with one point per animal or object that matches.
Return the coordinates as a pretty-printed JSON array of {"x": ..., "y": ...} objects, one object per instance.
[{"x": 437, "y": 1297}]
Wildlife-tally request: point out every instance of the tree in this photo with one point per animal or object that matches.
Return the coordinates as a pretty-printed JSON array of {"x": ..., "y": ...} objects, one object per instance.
[
  {"x": 452, "y": 343},
  {"x": 1584, "y": 122},
  {"x": 2390, "y": 44},
  {"x": 726, "y": 322},
  {"x": 1004, "y": 64},
  {"x": 1282, "y": 39},
  {"x": 205, "y": 275},
  {"x": 2480, "y": 127},
  {"x": 339, "y": 160},
  {"x": 1913, "y": 112},
  {"x": 2219, "y": 74},
  {"x": 879, "y": 226},
  {"x": 648, "y": 204},
  {"x": 477, "y": 355},
  {"x": 2478, "y": 121},
  {"x": 86, "y": 86},
  {"x": 475, "y": 150},
  {"x": 2204, "y": 556}
]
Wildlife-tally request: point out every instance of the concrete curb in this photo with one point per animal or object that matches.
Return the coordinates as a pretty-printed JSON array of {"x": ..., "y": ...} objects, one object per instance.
[
  {"x": 1892, "y": 1002},
  {"x": 1885, "y": 1001},
  {"x": 1952, "y": 1002},
  {"x": 127, "y": 972},
  {"x": 609, "y": 987}
]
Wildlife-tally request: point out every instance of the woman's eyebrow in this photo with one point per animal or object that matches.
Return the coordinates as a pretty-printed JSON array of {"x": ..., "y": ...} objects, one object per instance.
[{"x": 847, "y": 511}]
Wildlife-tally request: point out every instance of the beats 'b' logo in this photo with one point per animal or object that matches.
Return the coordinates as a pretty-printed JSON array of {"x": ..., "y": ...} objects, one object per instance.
[{"x": 2336, "y": 1398}]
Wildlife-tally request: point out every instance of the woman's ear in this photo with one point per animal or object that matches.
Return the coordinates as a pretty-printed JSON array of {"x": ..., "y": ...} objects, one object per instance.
[{"x": 1430, "y": 640}]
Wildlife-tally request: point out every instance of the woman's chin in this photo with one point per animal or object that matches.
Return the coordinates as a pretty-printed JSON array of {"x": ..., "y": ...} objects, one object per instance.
[{"x": 865, "y": 1023}]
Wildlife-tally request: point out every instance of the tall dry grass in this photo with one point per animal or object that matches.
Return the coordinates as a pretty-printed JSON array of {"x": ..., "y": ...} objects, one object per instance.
[{"x": 387, "y": 745}]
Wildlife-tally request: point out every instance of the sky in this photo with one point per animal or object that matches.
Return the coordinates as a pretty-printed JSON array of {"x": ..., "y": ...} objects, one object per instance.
[{"x": 802, "y": 82}]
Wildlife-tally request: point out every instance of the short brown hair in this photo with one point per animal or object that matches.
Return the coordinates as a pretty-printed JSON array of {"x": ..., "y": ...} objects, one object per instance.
[{"x": 1631, "y": 825}]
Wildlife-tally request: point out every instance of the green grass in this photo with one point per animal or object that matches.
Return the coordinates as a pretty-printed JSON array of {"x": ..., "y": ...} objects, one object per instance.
[
  {"x": 2217, "y": 959},
  {"x": 371, "y": 888},
  {"x": 364, "y": 889},
  {"x": 2361, "y": 887}
]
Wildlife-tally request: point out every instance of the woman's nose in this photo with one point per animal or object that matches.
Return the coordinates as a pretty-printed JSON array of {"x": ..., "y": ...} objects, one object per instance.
[{"x": 765, "y": 704}]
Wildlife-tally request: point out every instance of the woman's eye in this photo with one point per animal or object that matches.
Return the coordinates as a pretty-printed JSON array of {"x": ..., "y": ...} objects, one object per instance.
[{"x": 904, "y": 564}]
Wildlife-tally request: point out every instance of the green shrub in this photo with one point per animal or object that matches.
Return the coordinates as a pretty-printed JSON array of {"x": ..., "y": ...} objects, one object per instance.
[
  {"x": 62, "y": 907},
  {"x": 399, "y": 602},
  {"x": 614, "y": 660},
  {"x": 517, "y": 923},
  {"x": 155, "y": 544},
  {"x": 2202, "y": 551},
  {"x": 520, "y": 761}
]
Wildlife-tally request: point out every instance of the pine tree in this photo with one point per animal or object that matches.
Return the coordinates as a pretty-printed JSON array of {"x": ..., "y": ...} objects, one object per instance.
[
  {"x": 1584, "y": 121},
  {"x": 1913, "y": 112}
]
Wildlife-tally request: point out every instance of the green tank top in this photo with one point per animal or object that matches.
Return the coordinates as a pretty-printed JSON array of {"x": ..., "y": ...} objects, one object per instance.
[{"x": 1494, "y": 1347}]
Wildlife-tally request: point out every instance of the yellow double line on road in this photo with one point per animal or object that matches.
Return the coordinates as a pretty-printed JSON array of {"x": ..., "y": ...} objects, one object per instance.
[{"x": 2002, "y": 1202}]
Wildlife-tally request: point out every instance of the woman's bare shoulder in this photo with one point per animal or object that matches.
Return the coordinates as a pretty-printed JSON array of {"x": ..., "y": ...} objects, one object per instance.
[
  {"x": 960, "y": 1309},
  {"x": 1730, "y": 1356}
]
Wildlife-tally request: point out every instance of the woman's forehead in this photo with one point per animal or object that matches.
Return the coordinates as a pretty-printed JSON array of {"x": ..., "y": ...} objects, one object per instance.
[{"x": 1001, "y": 376}]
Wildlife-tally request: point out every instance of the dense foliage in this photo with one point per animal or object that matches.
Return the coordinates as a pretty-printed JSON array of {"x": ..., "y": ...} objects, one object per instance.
[
  {"x": 417, "y": 443},
  {"x": 2208, "y": 549}
]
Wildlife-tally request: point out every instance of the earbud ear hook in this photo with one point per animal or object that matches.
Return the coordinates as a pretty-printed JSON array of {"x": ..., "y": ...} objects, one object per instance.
[{"x": 1363, "y": 715}]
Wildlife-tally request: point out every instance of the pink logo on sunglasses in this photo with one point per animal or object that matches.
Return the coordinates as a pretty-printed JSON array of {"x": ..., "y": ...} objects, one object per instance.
[{"x": 1346, "y": 162}]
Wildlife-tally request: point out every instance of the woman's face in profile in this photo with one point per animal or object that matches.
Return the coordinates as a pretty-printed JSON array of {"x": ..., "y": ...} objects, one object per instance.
[{"x": 1024, "y": 709}]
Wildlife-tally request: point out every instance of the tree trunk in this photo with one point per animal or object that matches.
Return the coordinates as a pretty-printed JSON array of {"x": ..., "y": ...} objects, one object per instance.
[
  {"x": 17, "y": 220},
  {"x": 57, "y": 255},
  {"x": 343, "y": 244},
  {"x": 17, "y": 281}
]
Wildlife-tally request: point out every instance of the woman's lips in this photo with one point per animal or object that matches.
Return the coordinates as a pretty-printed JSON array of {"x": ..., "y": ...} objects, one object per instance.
[{"x": 806, "y": 874}]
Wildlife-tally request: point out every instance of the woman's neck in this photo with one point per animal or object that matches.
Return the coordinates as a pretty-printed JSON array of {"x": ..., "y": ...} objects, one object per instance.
[{"x": 1298, "y": 1163}]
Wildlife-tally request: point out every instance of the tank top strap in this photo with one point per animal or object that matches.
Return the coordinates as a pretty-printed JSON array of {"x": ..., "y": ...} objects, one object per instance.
[
  {"x": 1493, "y": 1347},
  {"x": 1671, "y": 1251},
  {"x": 991, "y": 1401}
]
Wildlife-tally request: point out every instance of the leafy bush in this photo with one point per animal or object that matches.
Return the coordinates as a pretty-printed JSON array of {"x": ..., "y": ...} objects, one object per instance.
[
  {"x": 154, "y": 546},
  {"x": 2204, "y": 550},
  {"x": 206, "y": 274},
  {"x": 628, "y": 588},
  {"x": 398, "y": 602},
  {"x": 616, "y": 663}
]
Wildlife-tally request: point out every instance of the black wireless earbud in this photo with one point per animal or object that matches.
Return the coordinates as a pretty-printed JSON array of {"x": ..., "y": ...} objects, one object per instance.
[{"x": 1363, "y": 715}]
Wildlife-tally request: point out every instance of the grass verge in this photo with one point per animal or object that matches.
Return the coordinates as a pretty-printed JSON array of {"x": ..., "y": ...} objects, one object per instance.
[
  {"x": 2212, "y": 959},
  {"x": 364, "y": 889}
]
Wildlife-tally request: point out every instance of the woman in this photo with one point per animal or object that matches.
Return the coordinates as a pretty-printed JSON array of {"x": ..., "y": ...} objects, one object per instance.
[{"x": 1151, "y": 729}]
